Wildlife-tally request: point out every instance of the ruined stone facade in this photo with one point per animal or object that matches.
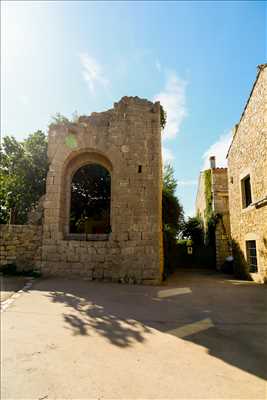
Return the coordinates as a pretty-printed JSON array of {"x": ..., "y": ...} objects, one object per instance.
[
  {"x": 200, "y": 203},
  {"x": 247, "y": 161},
  {"x": 126, "y": 140},
  {"x": 220, "y": 209}
]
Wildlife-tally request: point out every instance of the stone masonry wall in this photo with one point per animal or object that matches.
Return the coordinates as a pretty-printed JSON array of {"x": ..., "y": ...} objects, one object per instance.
[
  {"x": 248, "y": 155},
  {"x": 201, "y": 198},
  {"x": 221, "y": 207},
  {"x": 21, "y": 245},
  {"x": 219, "y": 188},
  {"x": 127, "y": 141}
]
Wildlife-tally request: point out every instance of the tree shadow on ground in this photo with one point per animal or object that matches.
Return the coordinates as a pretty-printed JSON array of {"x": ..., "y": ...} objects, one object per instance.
[
  {"x": 229, "y": 320},
  {"x": 88, "y": 313}
]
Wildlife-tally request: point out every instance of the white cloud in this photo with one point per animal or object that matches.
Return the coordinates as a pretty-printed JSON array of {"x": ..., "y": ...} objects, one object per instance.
[
  {"x": 189, "y": 182},
  {"x": 93, "y": 72},
  {"x": 167, "y": 155},
  {"x": 24, "y": 100},
  {"x": 219, "y": 150},
  {"x": 173, "y": 100}
]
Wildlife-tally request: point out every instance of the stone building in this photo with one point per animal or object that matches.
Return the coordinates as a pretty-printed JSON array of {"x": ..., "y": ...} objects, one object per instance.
[
  {"x": 212, "y": 201},
  {"x": 247, "y": 175},
  {"x": 119, "y": 151}
]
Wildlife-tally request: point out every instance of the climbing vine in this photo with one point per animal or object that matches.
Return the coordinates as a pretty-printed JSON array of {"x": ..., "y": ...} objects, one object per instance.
[
  {"x": 208, "y": 195},
  {"x": 210, "y": 218}
]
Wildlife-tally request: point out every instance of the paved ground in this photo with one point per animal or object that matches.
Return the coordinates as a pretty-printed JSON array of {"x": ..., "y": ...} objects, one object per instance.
[
  {"x": 201, "y": 336},
  {"x": 10, "y": 285}
]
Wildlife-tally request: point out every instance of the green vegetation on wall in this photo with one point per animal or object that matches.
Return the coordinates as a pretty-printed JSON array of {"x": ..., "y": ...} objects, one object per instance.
[
  {"x": 240, "y": 267},
  {"x": 208, "y": 194},
  {"x": 210, "y": 218},
  {"x": 163, "y": 117}
]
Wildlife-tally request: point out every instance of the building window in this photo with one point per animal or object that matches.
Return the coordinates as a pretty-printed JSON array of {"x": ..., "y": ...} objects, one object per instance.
[
  {"x": 246, "y": 192},
  {"x": 252, "y": 255},
  {"x": 90, "y": 201}
]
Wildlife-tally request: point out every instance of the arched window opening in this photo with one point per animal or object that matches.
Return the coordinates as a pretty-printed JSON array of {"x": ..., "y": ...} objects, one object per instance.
[{"x": 90, "y": 200}]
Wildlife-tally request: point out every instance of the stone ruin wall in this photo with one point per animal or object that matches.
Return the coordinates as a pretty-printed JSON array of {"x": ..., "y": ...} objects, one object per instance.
[
  {"x": 21, "y": 245},
  {"x": 200, "y": 204},
  {"x": 124, "y": 139},
  {"x": 221, "y": 206},
  {"x": 219, "y": 187}
]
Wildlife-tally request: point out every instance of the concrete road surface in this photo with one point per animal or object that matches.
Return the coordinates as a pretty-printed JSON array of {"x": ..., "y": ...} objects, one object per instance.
[
  {"x": 10, "y": 285},
  {"x": 200, "y": 336}
]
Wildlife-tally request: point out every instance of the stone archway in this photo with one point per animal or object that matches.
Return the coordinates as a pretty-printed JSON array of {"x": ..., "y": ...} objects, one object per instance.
[
  {"x": 77, "y": 161},
  {"x": 90, "y": 200}
]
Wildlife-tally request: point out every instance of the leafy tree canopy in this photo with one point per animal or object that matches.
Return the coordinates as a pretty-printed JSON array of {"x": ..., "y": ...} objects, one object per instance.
[
  {"x": 193, "y": 229},
  {"x": 169, "y": 182},
  {"x": 23, "y": 171},
  {"x": 172, "y": 210},
  {"x": 90, "y": 199},
  {"x": 172, "y": 218}
]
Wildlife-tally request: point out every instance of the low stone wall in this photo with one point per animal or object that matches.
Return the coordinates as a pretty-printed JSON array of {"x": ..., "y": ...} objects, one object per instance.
[
  {"x": 21, "y": 245},
  {"x": 132, "y": 261},
  {"x": 107, "y": 260}
]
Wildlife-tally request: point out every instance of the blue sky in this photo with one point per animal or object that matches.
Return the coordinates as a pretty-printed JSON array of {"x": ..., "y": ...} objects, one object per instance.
[{"x": 198, "y": 58}]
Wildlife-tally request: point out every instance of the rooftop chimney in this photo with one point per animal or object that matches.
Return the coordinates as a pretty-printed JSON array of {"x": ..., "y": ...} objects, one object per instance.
[{"x": 212, "y": 162}]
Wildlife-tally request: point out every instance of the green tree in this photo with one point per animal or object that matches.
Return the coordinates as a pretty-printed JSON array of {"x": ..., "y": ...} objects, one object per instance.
[
  {"x": 169, "y": 182},
  {"x": 90, "y": 198},
  {"x": 23, "y": 171},
  {"x": 172, "y": 218},
  {"x": 193, "y": 229}
]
